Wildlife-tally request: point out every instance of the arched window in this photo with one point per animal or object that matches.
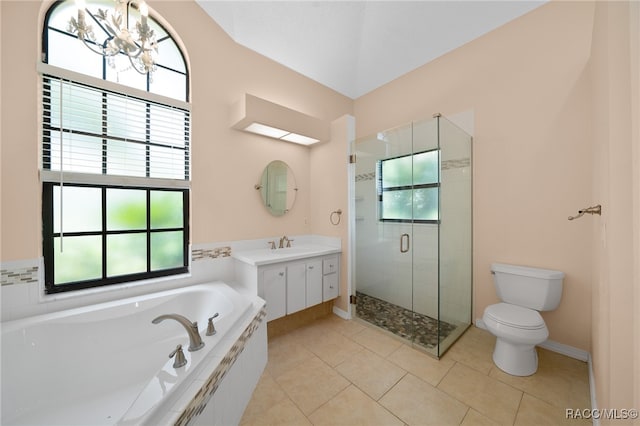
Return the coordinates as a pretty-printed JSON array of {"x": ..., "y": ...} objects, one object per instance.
[
  {"x": 62, "y": 48},
  {"x": 115, "y": 152}
]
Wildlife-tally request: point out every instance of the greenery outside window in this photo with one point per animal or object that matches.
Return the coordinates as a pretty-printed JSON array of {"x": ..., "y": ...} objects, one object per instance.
[
  {"x": 115, "y": 162},
  {"x": 109, "y": 234},
  {"x": 408, "y": 188}
]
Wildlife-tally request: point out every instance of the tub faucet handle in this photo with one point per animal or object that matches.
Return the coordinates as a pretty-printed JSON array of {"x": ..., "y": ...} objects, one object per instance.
[
  {"x": 179, "y": 360},
  {"x": 211, "y": 330}
]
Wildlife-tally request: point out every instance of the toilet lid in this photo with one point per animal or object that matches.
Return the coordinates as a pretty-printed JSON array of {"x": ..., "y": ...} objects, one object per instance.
[{"x": 515, "y": 316}]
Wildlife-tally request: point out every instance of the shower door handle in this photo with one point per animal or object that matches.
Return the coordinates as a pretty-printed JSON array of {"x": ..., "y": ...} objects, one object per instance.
[{"x": 404, "y": 238}]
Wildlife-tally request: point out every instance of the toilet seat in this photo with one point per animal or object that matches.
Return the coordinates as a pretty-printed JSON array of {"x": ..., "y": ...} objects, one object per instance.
[{"x": 515, "y": 316}]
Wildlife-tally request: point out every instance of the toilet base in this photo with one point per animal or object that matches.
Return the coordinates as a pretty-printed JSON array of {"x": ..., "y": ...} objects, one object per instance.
[{"x": 515, "y": 359}]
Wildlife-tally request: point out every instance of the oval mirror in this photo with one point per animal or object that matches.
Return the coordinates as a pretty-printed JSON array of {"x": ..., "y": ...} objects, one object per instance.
[{"x": 278, "y": 188}]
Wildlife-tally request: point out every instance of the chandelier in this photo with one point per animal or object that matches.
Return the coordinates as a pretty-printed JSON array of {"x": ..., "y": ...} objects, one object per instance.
[{"x": 138, "y": 44}]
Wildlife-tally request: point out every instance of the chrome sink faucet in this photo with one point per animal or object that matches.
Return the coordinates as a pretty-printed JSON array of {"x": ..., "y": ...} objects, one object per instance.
[
  {"x": 195, "y": 341},
  {"x": 283, "y": 240}
]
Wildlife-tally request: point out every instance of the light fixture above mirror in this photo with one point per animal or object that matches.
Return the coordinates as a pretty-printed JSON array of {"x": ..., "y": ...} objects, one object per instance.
[{"x": 259, "y": 116}]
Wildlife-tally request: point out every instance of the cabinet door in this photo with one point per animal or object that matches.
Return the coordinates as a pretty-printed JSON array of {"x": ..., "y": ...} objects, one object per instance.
[
  {"x": 314, "y": 282},
  {"x": 296, "y": 287},
  {"x": 330, "y": 286},
  {"x": 274, "y": 284}
]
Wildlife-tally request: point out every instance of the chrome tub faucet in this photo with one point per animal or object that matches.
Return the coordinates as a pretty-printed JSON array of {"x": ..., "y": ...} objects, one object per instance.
[{"x": 195, "y": 342}]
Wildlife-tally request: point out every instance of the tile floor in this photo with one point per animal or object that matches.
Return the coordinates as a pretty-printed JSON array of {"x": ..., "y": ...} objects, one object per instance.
[{"x": 337, "y": 372}]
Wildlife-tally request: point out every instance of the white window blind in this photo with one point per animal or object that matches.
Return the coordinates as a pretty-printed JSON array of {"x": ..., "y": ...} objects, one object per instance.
[{"x": 92, "y": 132}]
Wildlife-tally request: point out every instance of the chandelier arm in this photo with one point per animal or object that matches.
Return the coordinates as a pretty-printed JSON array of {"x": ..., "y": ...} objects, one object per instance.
[
  {"x": 92, "y": 47},
  {"x": 135, "y": 67}
]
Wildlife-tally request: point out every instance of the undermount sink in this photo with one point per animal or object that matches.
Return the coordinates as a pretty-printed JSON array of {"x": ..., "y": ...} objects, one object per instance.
[{"x": 267, "y": 255}]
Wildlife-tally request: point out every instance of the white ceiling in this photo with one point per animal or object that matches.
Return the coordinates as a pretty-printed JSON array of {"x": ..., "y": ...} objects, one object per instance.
[{"x": 355, "y": 47}]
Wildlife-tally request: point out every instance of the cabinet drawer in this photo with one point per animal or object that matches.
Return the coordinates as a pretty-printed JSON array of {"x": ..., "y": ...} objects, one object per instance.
[
  {"x": 330, "y": 265},
  {"x": 330, "y": 287}
]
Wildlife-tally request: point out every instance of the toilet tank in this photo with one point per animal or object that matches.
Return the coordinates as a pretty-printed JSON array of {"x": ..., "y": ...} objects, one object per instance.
[{"x": 539, "y": 289}]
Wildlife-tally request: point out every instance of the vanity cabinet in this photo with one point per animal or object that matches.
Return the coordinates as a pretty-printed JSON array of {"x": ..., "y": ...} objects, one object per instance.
[{"x": 289, "y": 287}]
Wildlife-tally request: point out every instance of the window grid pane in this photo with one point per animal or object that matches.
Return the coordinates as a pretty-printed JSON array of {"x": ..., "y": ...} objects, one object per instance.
[
  {"x": 166, "y": 210},
  {"x": 80, "y": 209},
  {"x": 72, "y": 55},
  {"x": 77, "y": 259},
  {"x": 126, "y": 209},
  {"x": 126, "y": 254},
  {"x": 408, "y": 187},
  {"x": 166, "y": 250}
]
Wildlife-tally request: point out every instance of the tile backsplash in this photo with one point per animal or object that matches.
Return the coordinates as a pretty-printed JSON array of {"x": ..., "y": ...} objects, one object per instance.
[
  {"x": 18, "y": 275},
  {"x": 198, "y": 254}
]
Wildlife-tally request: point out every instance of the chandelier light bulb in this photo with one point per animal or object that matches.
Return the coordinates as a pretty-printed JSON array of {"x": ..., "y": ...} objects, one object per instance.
[
  {"x": 144, "y": 12},
  {"x": 81, "y": 5}
]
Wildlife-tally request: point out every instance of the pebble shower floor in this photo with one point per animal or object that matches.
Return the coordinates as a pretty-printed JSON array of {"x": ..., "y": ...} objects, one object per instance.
[{"x": 402, "y": 322}]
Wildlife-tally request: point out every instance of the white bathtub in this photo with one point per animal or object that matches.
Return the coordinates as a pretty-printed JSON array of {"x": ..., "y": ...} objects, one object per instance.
[{"x": 107, "y": 364}]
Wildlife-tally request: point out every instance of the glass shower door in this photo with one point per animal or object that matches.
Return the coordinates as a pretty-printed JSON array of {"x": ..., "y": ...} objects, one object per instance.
[{"x": 384, "y": 251}]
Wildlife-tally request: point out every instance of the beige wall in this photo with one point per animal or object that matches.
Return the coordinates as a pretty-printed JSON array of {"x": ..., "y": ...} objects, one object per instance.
[
  {"x": 528, "y": 87},
  {"x": 616, "y": 286},
  {"x": 20, "y": 192},
  {"x": 226, "y": 163}
]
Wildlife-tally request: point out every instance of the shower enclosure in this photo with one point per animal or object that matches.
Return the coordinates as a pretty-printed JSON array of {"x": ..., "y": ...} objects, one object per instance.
[{"x": 412, "y": 262}]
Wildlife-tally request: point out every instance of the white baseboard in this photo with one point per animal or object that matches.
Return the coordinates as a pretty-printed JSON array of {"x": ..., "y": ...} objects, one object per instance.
[
  {"x": 553, "y": 346},
  {"x": 342, "y": 314},
  {"x": 567, "y": 350},
  {"x": 592, "y": 391}
]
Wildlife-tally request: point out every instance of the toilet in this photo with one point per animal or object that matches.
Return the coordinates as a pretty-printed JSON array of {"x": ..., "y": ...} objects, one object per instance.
[{"x": 516, "y": 322}]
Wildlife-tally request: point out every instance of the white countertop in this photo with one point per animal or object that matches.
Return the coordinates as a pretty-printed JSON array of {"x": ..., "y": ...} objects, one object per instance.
[{"x": 257, "y": 257}]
